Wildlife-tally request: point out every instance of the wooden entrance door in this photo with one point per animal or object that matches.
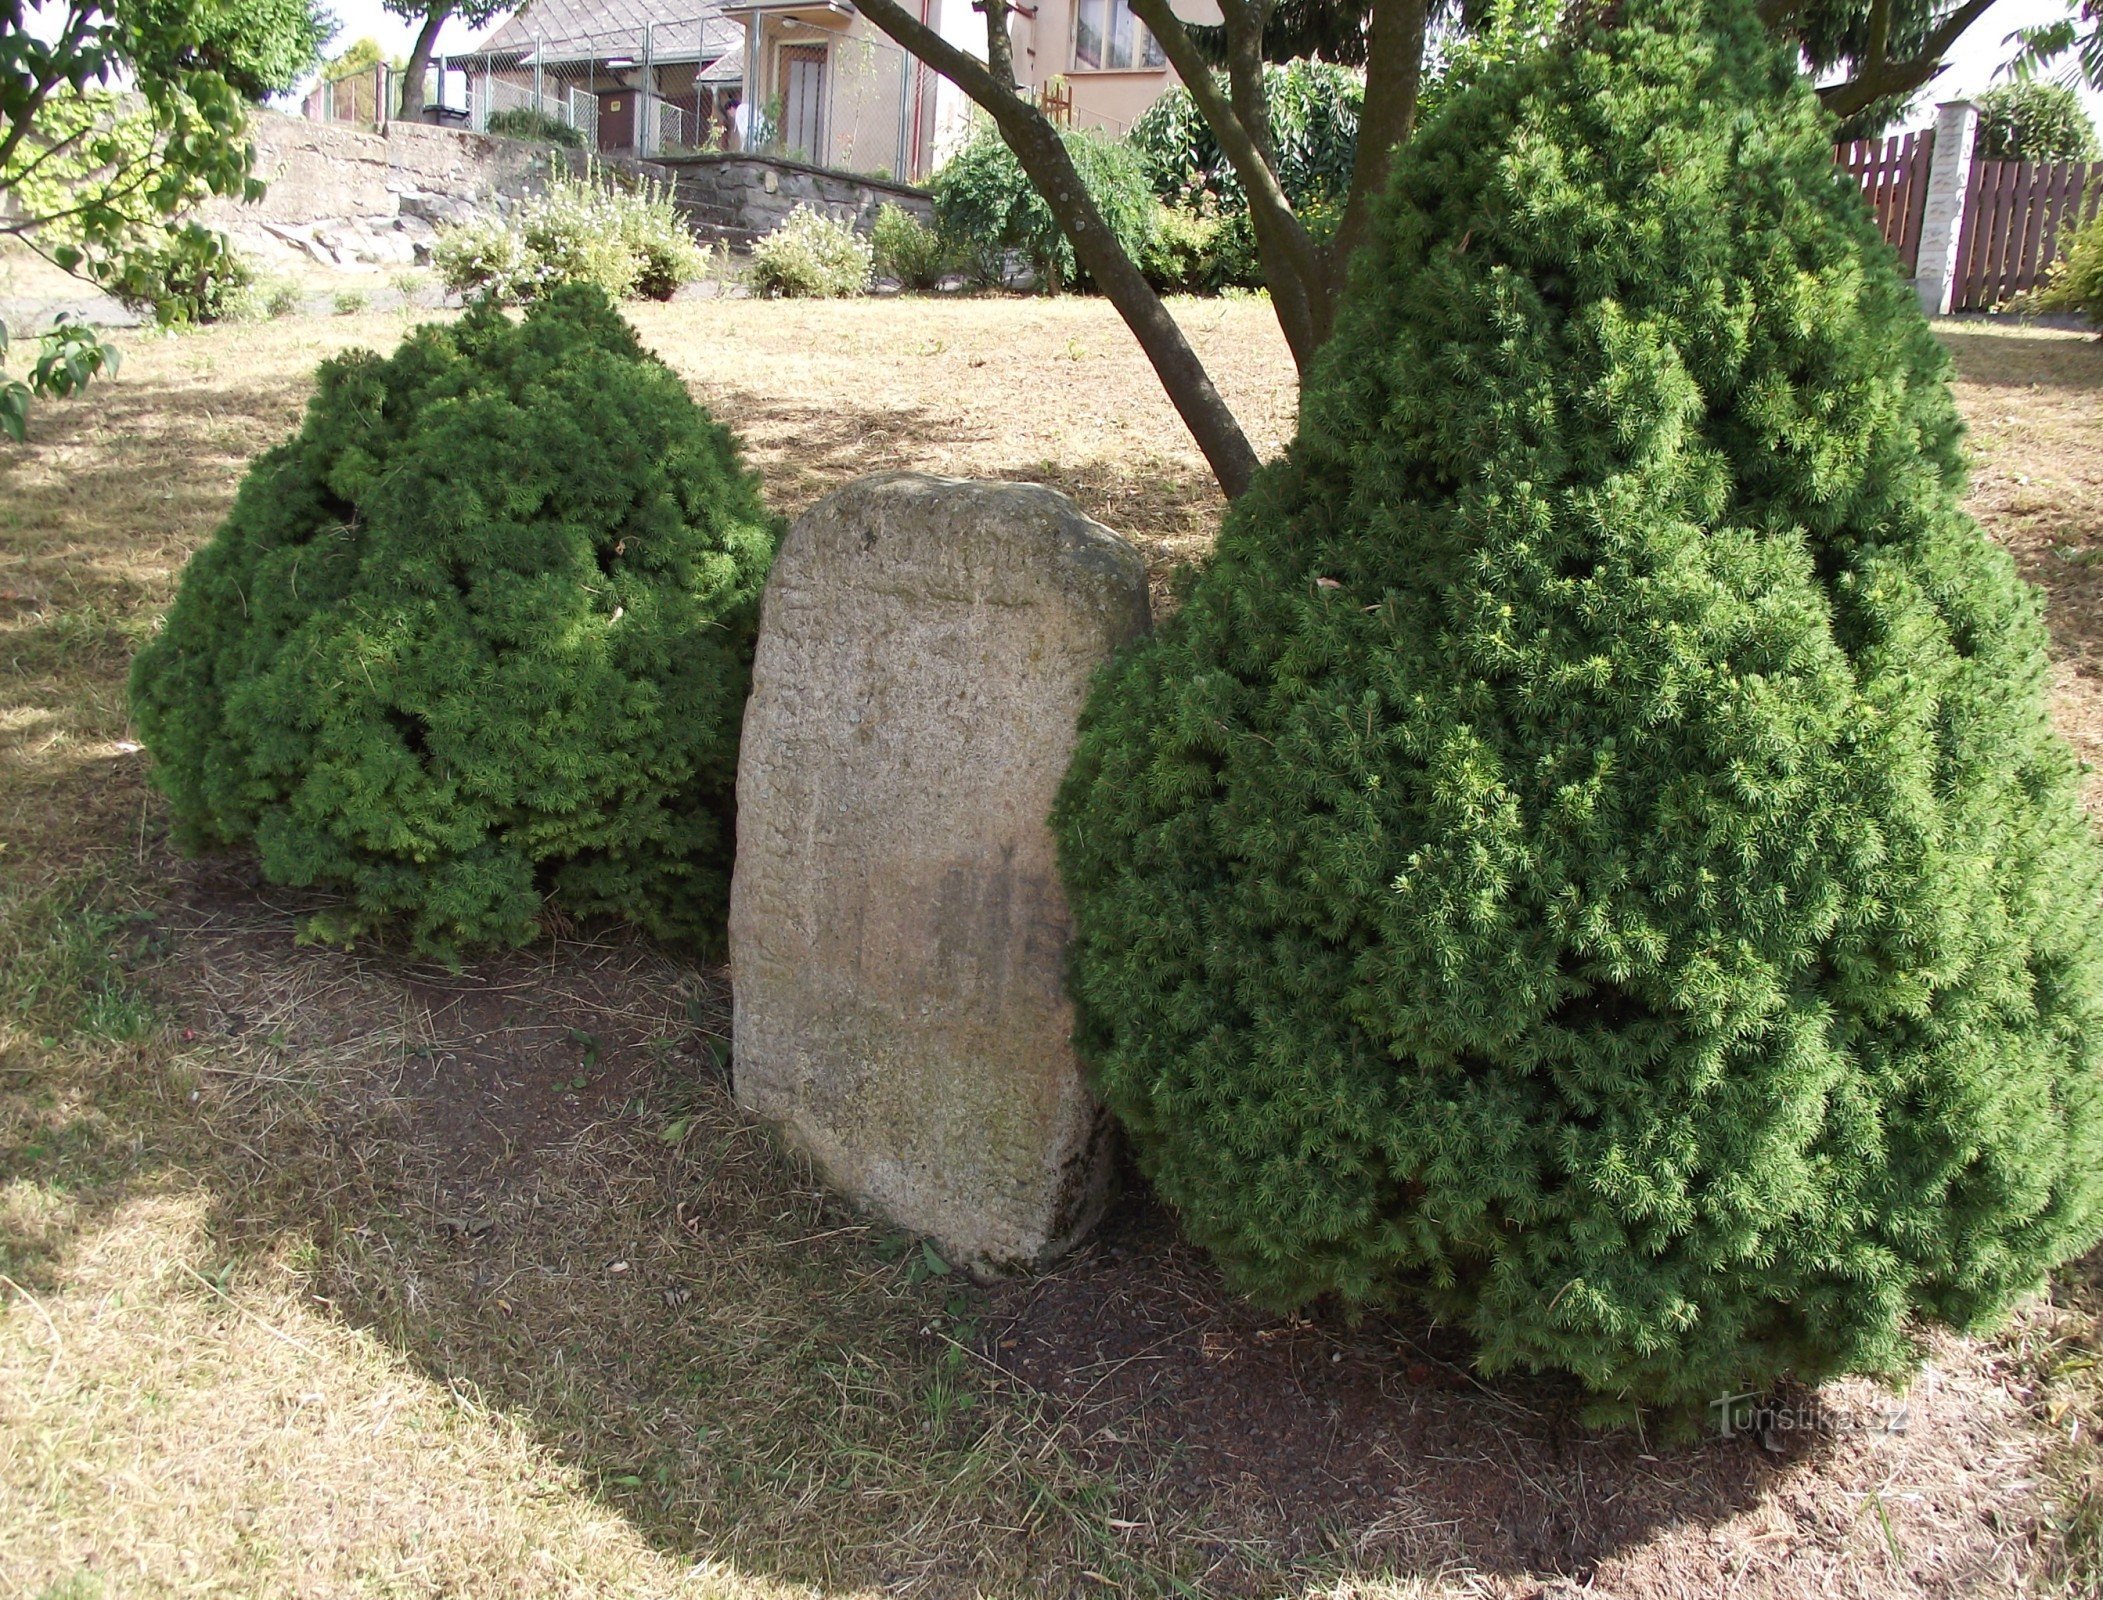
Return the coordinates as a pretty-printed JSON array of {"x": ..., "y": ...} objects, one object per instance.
[
  {"x": 617, "y": 119},
  {"x": 803, "y": 101}
]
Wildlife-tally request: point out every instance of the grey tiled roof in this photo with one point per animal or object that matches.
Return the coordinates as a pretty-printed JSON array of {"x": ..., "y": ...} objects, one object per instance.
[{"x": 578, "y": 30}]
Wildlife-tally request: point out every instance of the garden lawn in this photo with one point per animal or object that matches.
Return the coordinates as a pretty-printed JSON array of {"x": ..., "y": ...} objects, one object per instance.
[{"x": 328, "y": 1274}]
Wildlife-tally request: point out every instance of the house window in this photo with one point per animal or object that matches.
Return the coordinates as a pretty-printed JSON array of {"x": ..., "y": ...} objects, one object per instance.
[{"x": 1107, "y": 35}]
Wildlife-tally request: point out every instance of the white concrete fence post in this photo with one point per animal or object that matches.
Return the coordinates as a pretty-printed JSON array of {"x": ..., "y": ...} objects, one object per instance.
[{"x": 1942, "y": 224}]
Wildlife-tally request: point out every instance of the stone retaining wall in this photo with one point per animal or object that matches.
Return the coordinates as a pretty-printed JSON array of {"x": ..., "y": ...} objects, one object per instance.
[
  {"x": 319, "y": 170},
  {"x": 347, "y": 196},
  {"x": 744, "y": 196}
]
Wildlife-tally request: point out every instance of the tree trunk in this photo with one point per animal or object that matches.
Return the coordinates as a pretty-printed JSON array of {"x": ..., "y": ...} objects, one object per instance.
[
  {"x": 1037, "y": 146},
  {"x": 1292, "y": 266},
  {"x": 412, "y": 98},
  {"x": 1394, "y": 80}
]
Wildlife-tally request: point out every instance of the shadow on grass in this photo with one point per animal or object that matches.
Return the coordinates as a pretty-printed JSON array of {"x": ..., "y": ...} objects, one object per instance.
[
  {"x": 530, "y": 1179},
  {"x": 2013, "y": 356}
]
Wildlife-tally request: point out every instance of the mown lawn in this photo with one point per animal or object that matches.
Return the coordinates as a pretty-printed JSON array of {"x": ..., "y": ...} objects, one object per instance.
[{"x": 327, "y": 1274}]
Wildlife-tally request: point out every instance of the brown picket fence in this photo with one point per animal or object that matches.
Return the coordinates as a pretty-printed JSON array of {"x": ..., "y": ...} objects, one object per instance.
[
  {"x": 2015, "y": 213},
  {"x": 1894, "y": 176}
]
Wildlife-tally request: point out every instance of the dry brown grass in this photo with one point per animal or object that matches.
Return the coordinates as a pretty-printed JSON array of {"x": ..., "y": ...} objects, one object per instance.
[{"x": 325, "y": 1274}]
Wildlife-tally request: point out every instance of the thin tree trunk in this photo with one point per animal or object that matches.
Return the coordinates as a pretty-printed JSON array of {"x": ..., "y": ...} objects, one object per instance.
[
  {"x": 1037, "y": 146},
  {"x": 412, "y": 100},
  {"x": 1292, "y": 266}
]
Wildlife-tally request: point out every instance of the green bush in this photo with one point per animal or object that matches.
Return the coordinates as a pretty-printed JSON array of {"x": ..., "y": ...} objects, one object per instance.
[
  {"x": 1179, "y": 258},
  {"x": 812, "y": 256},
  {"x": 986, "y": 208},
  {"x": 1313, "y": 131},
  {"x": 1591, "y": 851},
  {"x": 2076, "y": 281},
  {"x": 2034, "y": 121},
  {"x": 906, "y": 248},
  {"x": 475, "y": 640},
  {"x": 190, "y": 276},
  {"x": 527, "y": 122},
  {"x": 1314, "y": 110},
  {"x": 588, "y": 229}
]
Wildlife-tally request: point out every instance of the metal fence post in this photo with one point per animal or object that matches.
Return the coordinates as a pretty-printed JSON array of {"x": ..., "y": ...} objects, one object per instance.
[
  {"x": 1942, "y": 223},
  {"x": 646, "y": 112}
]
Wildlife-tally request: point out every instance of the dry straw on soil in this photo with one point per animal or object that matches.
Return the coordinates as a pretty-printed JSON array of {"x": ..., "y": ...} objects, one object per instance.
[{"x": 331, "y": 1274}]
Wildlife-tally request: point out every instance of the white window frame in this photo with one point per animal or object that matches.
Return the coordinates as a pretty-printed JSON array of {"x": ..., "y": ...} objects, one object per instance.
[{"x": 1143, "y": 45}]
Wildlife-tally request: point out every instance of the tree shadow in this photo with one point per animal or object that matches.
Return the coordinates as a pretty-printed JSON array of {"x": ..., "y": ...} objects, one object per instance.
[
  {"x": 2007, "y": 354},
  {"x": 530, "y": 1178}
]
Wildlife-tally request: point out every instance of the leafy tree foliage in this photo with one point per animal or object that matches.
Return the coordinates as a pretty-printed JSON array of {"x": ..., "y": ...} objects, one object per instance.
[
  {"x": 196, "y": 66},
  {"x": 1313, "y": 110},
  {"x": 2034, "y": 121},
  {"x": 986, "y": 207},
  {"x": 2072, "y": 42},
  {"x": 1591, "y": 851},
  {"x": 360, "y": 56},
  {"x": 69, "y": 353},
  {"x": 476, "y": 639},
  {"x": 91, "y": 179}
]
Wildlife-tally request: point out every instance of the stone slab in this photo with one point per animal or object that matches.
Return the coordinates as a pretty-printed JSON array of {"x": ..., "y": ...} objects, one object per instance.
[{"x": 897, "y": 922}]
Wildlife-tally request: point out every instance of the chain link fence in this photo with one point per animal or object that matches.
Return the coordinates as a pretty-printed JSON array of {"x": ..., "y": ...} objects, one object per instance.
[
  {"x": 867, "y": 88},
  {"x": 365, "y": 97}
]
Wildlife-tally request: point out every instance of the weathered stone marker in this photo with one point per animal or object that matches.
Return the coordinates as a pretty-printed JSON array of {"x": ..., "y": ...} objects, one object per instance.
[{"x": 897, "y": 924}]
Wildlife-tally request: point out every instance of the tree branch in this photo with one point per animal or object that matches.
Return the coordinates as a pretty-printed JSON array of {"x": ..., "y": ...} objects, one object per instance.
[
  {"x": 1242, "y": 22},
  {"x": 1037, "y": 146},
  {"x": 1291, "y": 265},
  {"x": 1881, "y": 78},
  {"x": 70, "y": 39}
]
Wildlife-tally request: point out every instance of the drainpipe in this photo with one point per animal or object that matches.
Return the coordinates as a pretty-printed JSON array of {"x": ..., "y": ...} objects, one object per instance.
[
  {"x": 748, "y": 111},
  {"x": 909, "y": 160}
]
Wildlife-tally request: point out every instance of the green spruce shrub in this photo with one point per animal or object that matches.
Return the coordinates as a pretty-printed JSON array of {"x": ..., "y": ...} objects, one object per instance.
[
  {"x": 475, "y": 640},
  {"x": 1590, "y": 853}
]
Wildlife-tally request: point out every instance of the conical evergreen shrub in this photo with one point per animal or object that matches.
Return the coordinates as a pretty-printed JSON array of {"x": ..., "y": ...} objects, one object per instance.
[
  {"x": 1590, "y": 851},
  {"x": 478, "y": 638}
]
